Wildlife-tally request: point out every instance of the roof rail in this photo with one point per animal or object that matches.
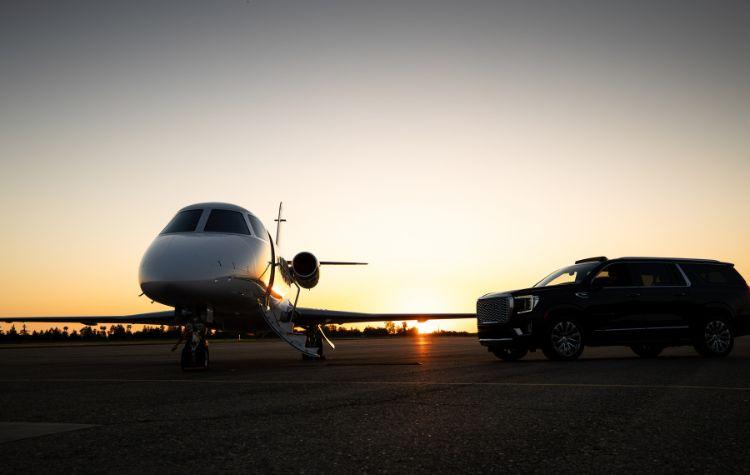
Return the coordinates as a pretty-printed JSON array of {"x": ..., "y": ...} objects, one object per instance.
[
  {"x": 592, "y": 259},
  {"x": 676, "y": 259}
]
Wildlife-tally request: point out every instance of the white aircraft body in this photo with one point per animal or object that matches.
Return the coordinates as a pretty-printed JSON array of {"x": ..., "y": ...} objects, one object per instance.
[{"x": 219, "y": 268}]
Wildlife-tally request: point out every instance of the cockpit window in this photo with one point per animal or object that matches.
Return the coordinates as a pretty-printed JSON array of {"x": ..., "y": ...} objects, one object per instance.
[
  {"x": 226, "y": 221},
  {"x": 184, "y": 222},
  {"x": 258, "y": 228}
]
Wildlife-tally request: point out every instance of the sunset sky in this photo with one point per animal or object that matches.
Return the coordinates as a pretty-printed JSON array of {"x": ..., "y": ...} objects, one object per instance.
[{"x": 459, "y": 147}]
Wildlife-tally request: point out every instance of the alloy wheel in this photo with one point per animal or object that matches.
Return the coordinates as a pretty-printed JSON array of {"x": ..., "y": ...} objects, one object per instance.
[
  {"x": 566, "y": 338},
  {"x": 717, "y": 336}
]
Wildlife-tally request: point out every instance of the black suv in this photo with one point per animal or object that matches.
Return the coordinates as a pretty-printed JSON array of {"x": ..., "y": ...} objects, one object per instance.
[{"x": 645, "y": 303}]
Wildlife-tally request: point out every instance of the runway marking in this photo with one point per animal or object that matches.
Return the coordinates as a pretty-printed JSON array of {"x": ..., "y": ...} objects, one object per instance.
[
  {"x": 10, "y": 431},
  {"x": 386, "y": 383},
  {"x": 410, "y": 363}
]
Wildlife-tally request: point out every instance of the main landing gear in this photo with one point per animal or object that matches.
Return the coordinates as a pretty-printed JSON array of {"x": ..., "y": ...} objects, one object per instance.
[
  {"x": 314, "y": 339},
  {"x": 195, "y": 352}
]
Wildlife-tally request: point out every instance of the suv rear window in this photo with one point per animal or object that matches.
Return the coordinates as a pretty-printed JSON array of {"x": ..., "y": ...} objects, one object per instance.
[
  {"x": 184, "y": 221},
  {"x": 226, "y": 221},
  {"x": 713, "y": 274}
]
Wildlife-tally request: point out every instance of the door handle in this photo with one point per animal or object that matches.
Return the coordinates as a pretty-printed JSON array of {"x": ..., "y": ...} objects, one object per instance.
[
  {"x": 681, "y": 294},
  {"x": 634, "y": 294}
]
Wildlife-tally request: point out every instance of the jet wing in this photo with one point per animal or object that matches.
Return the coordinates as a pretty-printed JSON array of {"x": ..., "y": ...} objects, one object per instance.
[
  {"x": 320, "y": 316},
  {"x": 153, "y": 318}
]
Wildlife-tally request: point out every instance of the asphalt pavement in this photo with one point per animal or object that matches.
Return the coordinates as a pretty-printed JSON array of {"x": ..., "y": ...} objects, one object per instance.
[{"x": 426, "y": 404}]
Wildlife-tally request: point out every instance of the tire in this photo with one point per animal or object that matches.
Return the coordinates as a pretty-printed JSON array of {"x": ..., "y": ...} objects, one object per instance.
[
  {"x": 563, "y": 340},
  {"x": 647, "y": 350},
  {"x": 186, "y": 357},
  {"x": 714, "y": 338},
  {"x": 509, "y": 354},
  {"x": 201, "y": 356}
]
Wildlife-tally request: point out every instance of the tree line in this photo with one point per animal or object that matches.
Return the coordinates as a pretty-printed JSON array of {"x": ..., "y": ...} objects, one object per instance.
[{"x": 116, "y": 333}]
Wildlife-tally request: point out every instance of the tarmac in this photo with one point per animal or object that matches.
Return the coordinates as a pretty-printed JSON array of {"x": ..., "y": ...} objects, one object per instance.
[{"x": 425, "y": 404}]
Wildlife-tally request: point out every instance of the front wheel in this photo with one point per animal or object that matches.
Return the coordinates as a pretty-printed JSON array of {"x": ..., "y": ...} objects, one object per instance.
[
  {"x": 647, "y": 350},
  {"x": 509, "y": 354},
  {"x": 563, "y": 340},
  {"x": 201, "y": 356},
  {"x": 714, "y": 338}
]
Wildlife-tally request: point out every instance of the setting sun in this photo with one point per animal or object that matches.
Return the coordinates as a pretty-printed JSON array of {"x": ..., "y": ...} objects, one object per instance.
[{"x": 430, "y": 326}]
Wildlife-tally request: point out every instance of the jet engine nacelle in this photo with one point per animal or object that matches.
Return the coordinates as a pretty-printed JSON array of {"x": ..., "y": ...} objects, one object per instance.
[{"x": 306, "y": 269}]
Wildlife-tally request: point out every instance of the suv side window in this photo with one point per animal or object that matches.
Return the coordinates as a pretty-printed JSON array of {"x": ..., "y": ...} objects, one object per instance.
[
  {"x": 614, "y": 275},
  {"x": 713, "y": 274},
  {"x": 656, "y": 274}
]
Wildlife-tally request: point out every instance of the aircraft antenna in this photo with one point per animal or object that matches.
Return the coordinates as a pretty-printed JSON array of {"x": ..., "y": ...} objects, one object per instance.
[{"x": 279, "y": 220}]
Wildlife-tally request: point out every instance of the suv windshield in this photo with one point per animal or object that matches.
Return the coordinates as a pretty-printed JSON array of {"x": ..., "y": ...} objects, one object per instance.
[{"x": 568, "y": 275}]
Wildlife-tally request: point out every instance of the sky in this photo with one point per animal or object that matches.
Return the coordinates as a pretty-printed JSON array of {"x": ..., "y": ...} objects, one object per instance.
[{"x": 459, "y": 147}]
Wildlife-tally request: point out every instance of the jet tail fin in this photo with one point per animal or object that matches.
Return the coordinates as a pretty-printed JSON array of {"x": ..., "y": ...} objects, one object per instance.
[{"x": 279, "y": 220}]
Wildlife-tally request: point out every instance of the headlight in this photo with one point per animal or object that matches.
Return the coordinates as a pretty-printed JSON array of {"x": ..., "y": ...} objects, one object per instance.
[{"x": 525, "y": 303}]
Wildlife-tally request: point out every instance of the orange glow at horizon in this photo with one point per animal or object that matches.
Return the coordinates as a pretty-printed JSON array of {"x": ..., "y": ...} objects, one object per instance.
[{"x": 459, "y": 154}]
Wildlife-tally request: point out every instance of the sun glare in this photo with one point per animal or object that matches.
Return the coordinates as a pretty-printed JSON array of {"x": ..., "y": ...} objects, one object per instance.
[{"x": 430, "y": 326}]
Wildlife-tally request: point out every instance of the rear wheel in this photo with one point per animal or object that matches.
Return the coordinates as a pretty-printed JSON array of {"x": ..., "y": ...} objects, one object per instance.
[
  {"x": 714, "y": 338},
  {"x": 563, "y": 340},
  {"x": 509, "y": 354},
  {"x": 647, "y": 350}
]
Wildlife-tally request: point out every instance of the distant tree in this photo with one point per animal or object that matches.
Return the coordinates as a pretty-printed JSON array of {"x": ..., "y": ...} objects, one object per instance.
[
  {"x": 88, "y": 334},
  {"x": 390, "y": 328},
  {"x": 375, "y": 331},
  {"x": 117, "y": 332}
]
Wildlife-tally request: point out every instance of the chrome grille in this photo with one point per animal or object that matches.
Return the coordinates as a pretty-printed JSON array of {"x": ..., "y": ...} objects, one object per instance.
[{"x": 494, "y": 310}]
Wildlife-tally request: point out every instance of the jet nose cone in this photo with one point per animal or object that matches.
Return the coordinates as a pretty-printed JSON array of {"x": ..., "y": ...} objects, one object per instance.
[
  {"x": 189, "y": 258},
  {"x": 176, "y": 268},
  {"x": 157, "y": 263}
]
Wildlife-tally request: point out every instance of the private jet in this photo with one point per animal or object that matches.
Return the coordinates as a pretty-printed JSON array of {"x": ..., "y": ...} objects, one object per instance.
[{"x": 218, "y": 267}]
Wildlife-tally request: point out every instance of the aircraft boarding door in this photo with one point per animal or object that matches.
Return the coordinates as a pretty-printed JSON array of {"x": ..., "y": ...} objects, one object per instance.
[{"x": 274, "y": 317}]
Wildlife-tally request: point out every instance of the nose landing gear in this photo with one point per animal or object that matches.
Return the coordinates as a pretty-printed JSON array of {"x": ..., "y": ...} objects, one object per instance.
[{"x": 195, "y": 352}]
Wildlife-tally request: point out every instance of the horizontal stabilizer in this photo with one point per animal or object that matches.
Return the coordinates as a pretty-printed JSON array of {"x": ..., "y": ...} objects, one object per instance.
[{"x": 342, "y": 263}]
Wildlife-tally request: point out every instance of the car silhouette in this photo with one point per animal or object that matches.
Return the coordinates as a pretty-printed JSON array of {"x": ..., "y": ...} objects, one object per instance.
[{"x": 646, "y": 303}]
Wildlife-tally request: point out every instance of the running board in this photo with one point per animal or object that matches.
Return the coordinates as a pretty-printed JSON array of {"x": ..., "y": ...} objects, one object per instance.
[{"x": 285, "y": 331}]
